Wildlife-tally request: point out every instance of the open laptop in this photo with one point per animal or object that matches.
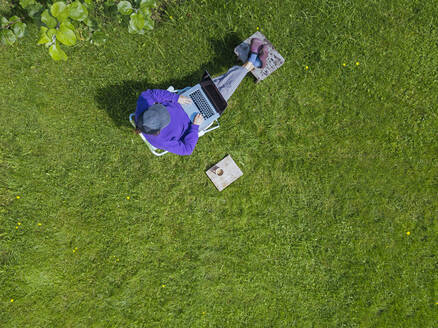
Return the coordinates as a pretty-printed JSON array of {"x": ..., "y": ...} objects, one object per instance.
[{"x": 206, "y": 99}]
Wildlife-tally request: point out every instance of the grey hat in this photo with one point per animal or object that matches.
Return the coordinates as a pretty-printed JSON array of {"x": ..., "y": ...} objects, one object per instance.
[{"x": 153, "y": 119}]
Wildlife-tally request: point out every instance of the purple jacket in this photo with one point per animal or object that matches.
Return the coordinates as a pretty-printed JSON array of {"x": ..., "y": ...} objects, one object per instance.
[{"x": 181, "y": 135}]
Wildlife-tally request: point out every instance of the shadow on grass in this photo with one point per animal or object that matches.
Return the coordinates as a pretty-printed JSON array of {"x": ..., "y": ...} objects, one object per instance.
[{"x": 119, "y": 100}]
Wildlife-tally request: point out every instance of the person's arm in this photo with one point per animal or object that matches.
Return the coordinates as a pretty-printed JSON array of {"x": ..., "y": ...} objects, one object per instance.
[
  {"x": 153, "y": 96},
  {"x": 142, "y": 105},
  {"x": 186, "y": 145}
]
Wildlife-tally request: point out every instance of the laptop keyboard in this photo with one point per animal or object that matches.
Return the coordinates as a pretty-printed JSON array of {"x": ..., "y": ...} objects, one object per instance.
[{"x": 202, "y": 104}]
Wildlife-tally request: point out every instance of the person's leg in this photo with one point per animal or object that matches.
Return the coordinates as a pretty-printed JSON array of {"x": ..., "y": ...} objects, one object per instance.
[{"x": 227, "y": 83}]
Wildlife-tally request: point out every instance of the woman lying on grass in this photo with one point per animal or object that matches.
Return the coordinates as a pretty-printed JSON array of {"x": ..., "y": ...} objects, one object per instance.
[{"x": 165, "y": 124}]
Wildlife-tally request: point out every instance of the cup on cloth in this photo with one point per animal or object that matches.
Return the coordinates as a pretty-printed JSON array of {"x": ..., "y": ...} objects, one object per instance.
[{"x": 217, "y": 170}]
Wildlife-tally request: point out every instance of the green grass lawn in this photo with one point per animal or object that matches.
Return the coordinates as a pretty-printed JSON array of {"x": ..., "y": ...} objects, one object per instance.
[{"x": 333, "y": 224}]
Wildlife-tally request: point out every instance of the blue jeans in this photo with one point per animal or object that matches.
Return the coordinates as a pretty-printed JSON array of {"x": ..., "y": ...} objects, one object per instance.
[{"x": 227, "y": 83}]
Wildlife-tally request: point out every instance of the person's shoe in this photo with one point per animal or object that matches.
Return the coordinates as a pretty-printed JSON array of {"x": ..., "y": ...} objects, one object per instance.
[
  {"x": 263, "y": 54},
  {"x": 255, "y": 45}
]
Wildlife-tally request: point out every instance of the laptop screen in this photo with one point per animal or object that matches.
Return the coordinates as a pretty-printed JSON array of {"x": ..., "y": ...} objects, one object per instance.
[{"x": 213, "y": 93}]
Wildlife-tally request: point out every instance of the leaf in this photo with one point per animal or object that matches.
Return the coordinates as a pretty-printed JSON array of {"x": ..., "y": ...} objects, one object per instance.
[
  {"x": 51, "y": 32},
  {"x": 14, "y": 19},
  {"x": 98, "y": 38},
  {"x": 57, "y": 53},
  {"x": 124, "y": 7},
  {"x": 65, "y": 35},
  {"x": 131, "y": 28},
  {"x": 33, "y": 10},
  {"x": 47, "y": 19},
  {"x": 4, "y": 22},
  {"x": 149, "y": 23},
  {"x": 145, "y": 11},
  {"x": 109, "y": 3},
  {"x": 59, "y": 10},
  {"x": 148, "y": 4},
  {"x": 68, "y": 24},
  {"x": 19, "y": 29},
  {"x": 26, "y": 3},
  {"x": 91, "y": 23},
  {"x": 44, "y": 38},
  {"x": 138, "y": 21},
  {"x": 8, "y": 37},
  {"x": 78, "y": 12},
  {"x": 85, "y": 34}
]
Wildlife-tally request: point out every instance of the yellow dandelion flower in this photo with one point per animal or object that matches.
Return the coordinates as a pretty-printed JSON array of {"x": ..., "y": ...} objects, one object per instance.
[
  {"x": 258, "y": 28},
  {"x": 408, "y": 233},
  {"x": 39, "y": 224},
  {"x": 307, "y": 67},
  {"x": 19, "y": 223},
  {"x": 16, "y": 227},
  {"x": 357, "y": 63},
  {"x": 162, "y": 286},
  {"x": 74, "y": 251},
  {"x": 127, "y": 197},
  {"x": 12, "y": 300},
  {"x": 18, "y": 197},
  {"x": 344, "y": 64}
]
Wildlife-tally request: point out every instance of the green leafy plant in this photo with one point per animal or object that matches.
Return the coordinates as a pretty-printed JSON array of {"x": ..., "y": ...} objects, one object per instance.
[
  {"x": 140, "y": 17},
  {"x": 63, "y": 23},
  {"x": 11, "y": 29}
]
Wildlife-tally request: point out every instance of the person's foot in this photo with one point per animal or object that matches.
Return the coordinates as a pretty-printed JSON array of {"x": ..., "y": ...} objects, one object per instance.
[
  {"x": 263, "y": 55},
  {"x": 255, "y": 45}
]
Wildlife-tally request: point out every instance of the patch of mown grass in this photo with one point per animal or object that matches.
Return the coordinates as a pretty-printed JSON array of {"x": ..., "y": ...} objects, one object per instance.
[{"x": 339, "y": 162}]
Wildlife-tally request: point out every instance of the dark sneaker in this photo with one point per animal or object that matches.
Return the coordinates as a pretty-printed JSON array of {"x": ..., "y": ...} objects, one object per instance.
[
  {"x": 255, "y": 45},
  {"x": 263, "y": 54}
]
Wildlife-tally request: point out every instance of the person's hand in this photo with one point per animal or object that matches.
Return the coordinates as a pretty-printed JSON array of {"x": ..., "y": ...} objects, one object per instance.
[
  {"x": 198, "y": 119},
  {"x": 183, "y": 100}
]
